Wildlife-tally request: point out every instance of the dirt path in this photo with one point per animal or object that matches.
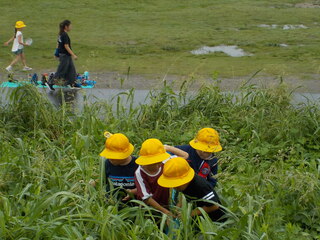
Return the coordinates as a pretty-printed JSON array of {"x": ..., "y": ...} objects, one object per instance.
[{"x": 116, "y": 80}]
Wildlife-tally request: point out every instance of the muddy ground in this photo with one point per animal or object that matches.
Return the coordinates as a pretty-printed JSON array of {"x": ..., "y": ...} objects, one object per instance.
[{"x": 114, "y": 80}]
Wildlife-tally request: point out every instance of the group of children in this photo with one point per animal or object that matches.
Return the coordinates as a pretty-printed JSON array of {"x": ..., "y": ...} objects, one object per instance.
[{"x": 188, "y": 169}]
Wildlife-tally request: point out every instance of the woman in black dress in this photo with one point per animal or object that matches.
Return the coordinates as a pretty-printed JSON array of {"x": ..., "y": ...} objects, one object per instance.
[{"x": 66, "y": 69}]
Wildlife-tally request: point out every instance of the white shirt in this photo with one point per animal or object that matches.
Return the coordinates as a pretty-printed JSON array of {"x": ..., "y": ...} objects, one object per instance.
[{"x": 16, "y": 45}]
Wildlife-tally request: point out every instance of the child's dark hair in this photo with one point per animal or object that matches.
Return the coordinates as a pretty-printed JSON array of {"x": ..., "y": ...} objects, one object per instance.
[
  {"x": 62, "y": 26},
  {"x": 15, "y": 32}
]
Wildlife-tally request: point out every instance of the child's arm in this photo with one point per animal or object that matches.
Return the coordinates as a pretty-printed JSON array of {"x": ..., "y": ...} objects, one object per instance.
[
  {"x": 20, "y": 41},
  {"x": 209, "y": 209},
  {"x": 70, "y": 51},
  {"x": 150, "y": 201},
  {"x": 176, "y": 151},
  {"x": 133, "y": 191},
  {"x": 9, "y": 41}
]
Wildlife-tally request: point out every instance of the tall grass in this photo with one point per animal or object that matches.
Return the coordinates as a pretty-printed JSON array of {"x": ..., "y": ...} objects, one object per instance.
[{"x": 269, "y": 178}]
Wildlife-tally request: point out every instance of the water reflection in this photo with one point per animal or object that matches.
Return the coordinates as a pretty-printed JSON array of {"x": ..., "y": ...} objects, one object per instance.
[{"x": 64, "y": 96}]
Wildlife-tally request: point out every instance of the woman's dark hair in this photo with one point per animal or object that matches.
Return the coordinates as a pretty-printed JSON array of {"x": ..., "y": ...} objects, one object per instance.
[{"x": 62, "y": 26}]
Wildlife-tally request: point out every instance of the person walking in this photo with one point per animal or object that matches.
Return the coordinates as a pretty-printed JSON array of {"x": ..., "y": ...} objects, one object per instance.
[
  {"x": 18, "y": 47},
  {"x": 66, "y": 69}
]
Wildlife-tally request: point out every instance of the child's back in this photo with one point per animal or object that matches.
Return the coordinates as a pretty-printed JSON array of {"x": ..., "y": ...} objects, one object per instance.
[{"x": 179, "y": 175}]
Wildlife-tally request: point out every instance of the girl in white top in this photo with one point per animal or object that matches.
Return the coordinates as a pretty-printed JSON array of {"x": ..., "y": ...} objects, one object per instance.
[{"x": 17, "y": 47}]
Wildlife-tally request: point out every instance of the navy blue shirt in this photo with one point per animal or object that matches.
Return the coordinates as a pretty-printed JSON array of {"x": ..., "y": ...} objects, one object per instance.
[
  {"x": 121, "y": 176},
  {"x": 197, "y": 163}
]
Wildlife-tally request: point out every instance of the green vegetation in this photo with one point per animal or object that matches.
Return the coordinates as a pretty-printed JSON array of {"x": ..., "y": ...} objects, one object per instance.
[
  {"x": 156, "y": 37},
  {"x": 269, "y": 178}
]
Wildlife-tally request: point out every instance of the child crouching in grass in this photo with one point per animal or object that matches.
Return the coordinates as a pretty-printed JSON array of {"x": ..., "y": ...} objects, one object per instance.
[
  {"x": 120, "y": 165},
  {"x": 202, "y": 156},
  {"x": 178, "y": 174},
  {"x": 152, "y": 155}
]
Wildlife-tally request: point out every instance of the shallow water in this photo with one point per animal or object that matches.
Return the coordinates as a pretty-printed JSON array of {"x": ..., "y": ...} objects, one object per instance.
[
  {"x": 232, "y": 51},
  {"x": 90, "y": 96},
  {"x": 289, "y": 26},
  {"x": 273, "y": 26},
  {"x": 284, "y": 27}
]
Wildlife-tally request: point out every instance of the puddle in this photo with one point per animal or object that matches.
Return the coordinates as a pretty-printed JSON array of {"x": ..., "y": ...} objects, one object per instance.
[
  {"x": 232, "y": 51},
  {"x": 284, "y": 27},
  {"x": 273, "y": 26},
  {"x": 307, "y": 5},
  {"x": 289, "y": 27}
]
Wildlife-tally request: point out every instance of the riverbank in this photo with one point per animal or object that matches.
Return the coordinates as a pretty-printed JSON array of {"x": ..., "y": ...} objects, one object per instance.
[
  {"x": 268, "y": 168},
  {"x": 115, "y": 80}
]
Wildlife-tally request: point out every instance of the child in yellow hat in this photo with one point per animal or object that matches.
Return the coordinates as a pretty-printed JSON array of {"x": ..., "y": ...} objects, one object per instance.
[
  {"x": 178, "y": 174},
  {"x": 202, "y": 151},
  {"x": 152, "y": 155},
  {"x": 17, "y": 47},
  {"x": 120, "y": 165}
]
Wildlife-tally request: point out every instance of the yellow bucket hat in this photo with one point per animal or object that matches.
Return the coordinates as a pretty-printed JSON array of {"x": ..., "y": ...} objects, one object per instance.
[
  {"x": 117, "y": 146},
  {"x": 207, "y": 140},
  {"x": 152, "y": 151},
  {"x": 176, "y": 172},
  {"x": 20, "y": 24}
]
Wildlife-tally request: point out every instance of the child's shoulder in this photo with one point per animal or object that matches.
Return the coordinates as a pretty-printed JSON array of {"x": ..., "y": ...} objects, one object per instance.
[
  {"x": 199, "y": 184},
  {"x": 213, "y": 158},
  {"x": 185, "y": 147}
]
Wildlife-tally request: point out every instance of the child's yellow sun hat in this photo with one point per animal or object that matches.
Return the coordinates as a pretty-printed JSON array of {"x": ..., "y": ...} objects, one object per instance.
[
  {"x": 117, "y": 146},
  {"x": 152, "y": 151},
  {"x": 176, "y": 172},
  {"x": 20, "y": 24},
  {"x": 207, "y": 140}
]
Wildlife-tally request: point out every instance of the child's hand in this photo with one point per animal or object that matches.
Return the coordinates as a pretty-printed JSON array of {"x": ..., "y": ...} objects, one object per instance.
[
  {"x": 6, "y": 44},
  {"x": 75, "y": 57},
  {"x": 177, "y": 215},
  {"x": 93, "y": 182},
  {"x": 167, "y": 212},
  {"x": 126, "y": 198},
  {"x": 195, "y": 212}
]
